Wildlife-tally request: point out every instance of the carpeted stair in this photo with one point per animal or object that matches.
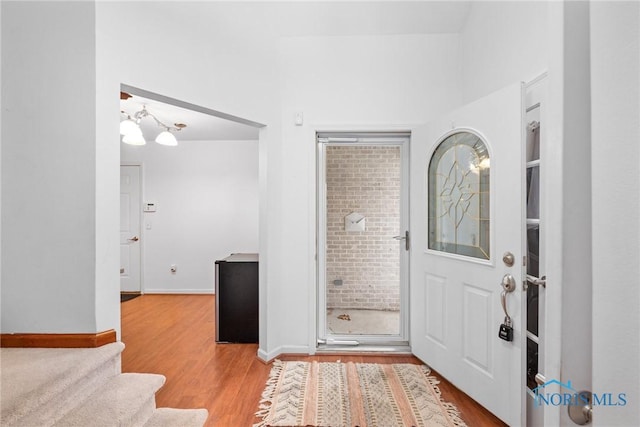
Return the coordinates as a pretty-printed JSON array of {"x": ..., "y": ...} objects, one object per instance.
[{"x": 82, "y": 387}]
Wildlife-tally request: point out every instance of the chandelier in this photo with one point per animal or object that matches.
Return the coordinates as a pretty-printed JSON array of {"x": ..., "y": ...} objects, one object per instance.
[{"x": 132, "y": 134}]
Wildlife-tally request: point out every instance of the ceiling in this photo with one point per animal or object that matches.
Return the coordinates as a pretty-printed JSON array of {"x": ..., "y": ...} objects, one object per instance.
[
  {"x": 200, "y": 126},
  {"x": 287, "y": 19},
  {"x": 304, "y": 18}
]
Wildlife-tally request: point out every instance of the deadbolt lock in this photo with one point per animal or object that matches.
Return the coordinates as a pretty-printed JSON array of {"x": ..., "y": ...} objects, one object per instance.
[{"x": 508, "y": 259}]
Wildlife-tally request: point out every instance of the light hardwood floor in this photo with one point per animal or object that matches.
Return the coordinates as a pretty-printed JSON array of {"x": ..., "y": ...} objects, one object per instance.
[{"x": 174, "y": 335}]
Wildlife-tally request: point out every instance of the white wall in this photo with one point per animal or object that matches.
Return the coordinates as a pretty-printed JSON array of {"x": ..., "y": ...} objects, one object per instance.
[
  {"x": 615, "y": 91},
  {"x": 63, "y": 63},
  {"x": 503, "y": 42},
  {"x": 207, "y": 196},
  {"x": 1, "y": 134},
  {"x": 234, "y": 64},
  {"x": 569, "y": 197},
  {"x": 361, "y": 80},
  {"x": 354, "y": 82},
  {"x": 50, "y": 248},
  {"x": 226, "y": 62}
]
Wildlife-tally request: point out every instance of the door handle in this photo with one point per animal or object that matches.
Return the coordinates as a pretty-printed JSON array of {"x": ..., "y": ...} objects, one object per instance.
[
  {"x": 405, "y": 238},
  {"x": 508, "y": 285},
  {"x": 533, "y": 280},
  {"x": 133, "y": 239},
  {"x": 506, "y": 329}
]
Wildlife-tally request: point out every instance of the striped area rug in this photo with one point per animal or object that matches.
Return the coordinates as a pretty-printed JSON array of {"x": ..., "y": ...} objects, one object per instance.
[{"x": 353, "y": 394}]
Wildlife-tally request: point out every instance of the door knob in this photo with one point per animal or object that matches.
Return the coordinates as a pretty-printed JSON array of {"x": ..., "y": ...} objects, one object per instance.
[
  {"x": 582, "y": 414},
  {"x": 133, "y": 239}
]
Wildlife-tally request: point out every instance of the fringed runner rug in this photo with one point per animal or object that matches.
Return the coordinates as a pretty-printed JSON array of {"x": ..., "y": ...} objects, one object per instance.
[{"x": 350, "y": 394}]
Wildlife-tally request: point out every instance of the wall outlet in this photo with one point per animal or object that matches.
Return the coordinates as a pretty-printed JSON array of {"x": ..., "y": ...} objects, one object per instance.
[{"x": 174, "y": 268}]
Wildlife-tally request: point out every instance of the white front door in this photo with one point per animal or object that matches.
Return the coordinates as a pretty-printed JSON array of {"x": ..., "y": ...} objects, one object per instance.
[
  {"x": 466, "y": 213},
  {"x": 130, "y": 208}
]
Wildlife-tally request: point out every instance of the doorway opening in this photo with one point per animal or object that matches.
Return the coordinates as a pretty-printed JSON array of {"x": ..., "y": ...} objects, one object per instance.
[
  {"x": 363, "y": 239},
  {"x": 197, "y": 199}
]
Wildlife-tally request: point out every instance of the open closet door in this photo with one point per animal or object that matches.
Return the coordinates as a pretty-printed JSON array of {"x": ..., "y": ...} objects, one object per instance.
[{"x": 467, "y": 227}]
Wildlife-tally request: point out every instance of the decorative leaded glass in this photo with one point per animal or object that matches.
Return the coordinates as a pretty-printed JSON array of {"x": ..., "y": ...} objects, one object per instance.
[{"x": 459, "y": 195}]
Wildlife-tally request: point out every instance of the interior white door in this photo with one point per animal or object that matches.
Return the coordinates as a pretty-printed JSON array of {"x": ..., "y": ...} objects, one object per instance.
[
  {"x": 130, "y": 208},
  {"x": 456, "y": 309}
]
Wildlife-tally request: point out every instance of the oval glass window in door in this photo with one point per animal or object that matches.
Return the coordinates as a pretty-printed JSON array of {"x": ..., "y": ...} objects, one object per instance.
[{"x": 459, "y": 195}]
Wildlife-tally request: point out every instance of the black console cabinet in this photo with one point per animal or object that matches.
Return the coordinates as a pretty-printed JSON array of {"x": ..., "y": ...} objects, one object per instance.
[{"x": 237, "y": 299}]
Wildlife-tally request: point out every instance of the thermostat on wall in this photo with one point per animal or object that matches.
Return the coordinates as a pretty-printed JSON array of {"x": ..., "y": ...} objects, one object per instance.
[{"x": 150, "y": 206}]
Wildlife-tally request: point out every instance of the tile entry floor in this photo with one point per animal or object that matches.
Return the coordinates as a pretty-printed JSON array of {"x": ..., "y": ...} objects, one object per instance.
[{"x": 363, "y": 322}]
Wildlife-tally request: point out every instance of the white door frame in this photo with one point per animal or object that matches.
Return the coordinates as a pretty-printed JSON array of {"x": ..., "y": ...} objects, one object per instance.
[
  {"x": 140, "y": 165},
  {"x": 392, "y": 138},
  {"x": 536, "y": 108},
  {"x": 308, "y": 134}
]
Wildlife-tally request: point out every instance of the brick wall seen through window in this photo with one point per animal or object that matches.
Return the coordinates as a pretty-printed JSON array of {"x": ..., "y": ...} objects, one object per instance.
[{"x": 366, "y": 180}]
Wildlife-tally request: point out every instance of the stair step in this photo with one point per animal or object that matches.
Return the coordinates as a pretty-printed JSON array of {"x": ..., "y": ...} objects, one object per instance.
[
  {"x": 40, "y": 384},
  {"x": 125, "y": 400},
  {"x": 170, "y": 417}
]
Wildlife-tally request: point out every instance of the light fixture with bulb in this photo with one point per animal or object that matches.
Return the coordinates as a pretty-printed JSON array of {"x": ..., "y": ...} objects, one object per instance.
[{"x": 132, "y": 134}]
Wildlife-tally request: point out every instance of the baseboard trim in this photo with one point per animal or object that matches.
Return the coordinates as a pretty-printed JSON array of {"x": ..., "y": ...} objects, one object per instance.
[
  {"x": 267, "y": 357},
  {"x": 89, "y": 340}
]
